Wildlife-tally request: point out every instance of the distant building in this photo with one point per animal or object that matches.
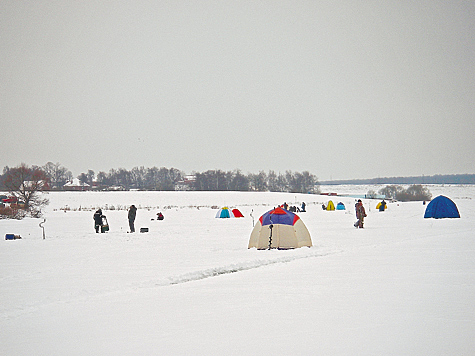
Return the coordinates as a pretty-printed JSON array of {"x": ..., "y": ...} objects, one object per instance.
[
  {"x": 116, "y": 188},
  {"x": 187, "y": 183},
  {"x": 96, "y": 185},
  {"x": 76, "y": 185}
]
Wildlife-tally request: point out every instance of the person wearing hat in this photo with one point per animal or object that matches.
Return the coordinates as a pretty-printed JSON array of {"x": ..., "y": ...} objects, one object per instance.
[
  {"x": 131, "y": 216},
  {"x": 360, "y": 214},
  {"x": 98, "y": 220}
]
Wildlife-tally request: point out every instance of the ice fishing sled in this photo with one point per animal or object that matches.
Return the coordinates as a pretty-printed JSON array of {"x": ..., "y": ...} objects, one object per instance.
[{"x": 105, "y": 224}]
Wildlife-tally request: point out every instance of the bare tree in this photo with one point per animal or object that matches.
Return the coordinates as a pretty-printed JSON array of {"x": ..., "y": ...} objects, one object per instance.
[
  {"x": 308, "y": 182},
  {"x": 82, "y": 177},
  {"x": 211, "y": 180},
  {"x": 138, "y": 177},
  {"x": 57, "y": 174},
  {"x": 258, "y": 181},
  {"x": 90, "y": 176},
  {"x": 414, "y": 192},
  {"x": 281, "y": 183},
  {"x": 102, "y": 178},
  {"x": 239, "y": 182},
  {"x": 390, "y": 191},
  {"x": 26, "y": 184}
]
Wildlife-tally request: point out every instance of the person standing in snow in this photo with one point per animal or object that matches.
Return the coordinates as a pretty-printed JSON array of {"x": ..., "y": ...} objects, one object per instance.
[
  {"x": 302, "y": 209},
  {"x": 360, "y": 214},
  {"x": 131, "y": 216},
  {"x": 98, "y": 220}
]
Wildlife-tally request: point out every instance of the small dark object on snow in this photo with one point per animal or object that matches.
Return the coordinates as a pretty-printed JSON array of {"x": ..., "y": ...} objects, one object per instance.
[
  {"x": 12, "y": 237},
  {"x": 144, "y": 229}
]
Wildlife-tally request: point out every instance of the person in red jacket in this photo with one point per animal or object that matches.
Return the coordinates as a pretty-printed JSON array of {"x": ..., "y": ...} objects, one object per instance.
[{"x": 360, "y": 214}]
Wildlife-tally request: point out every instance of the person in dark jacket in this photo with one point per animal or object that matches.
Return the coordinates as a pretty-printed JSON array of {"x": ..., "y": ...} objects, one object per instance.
[
  {"x": 98, "y": 220},
  {"x": 132, "y": 213}
]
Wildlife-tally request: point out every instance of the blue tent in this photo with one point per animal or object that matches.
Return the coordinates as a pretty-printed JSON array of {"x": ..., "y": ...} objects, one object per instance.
[
  {"x": 224, "y": 213},
  {"x": 340, "y": 206},
  {"x": 440, "y": 208}
]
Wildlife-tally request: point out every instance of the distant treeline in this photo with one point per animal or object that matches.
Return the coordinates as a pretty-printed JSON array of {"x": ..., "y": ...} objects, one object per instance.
[
  {"x": 167, "y": 179},
  {"x": 436, "y": 179},
  {"x": 163, "y": 178}
]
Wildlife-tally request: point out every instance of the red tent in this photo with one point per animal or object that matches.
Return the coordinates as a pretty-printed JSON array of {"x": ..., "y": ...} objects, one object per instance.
[{"x": 237, "y": 213}]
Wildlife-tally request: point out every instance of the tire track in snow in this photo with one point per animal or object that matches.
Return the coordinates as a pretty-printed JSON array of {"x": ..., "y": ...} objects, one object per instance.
[
  {"x": 88, "y": 295},
  {"x": 234, "y": 268}
]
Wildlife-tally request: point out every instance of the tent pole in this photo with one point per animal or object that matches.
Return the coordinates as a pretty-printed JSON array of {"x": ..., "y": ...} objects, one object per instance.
[
  {"x": 41, "y": 225},
  {"x": 270, "y": 237}
]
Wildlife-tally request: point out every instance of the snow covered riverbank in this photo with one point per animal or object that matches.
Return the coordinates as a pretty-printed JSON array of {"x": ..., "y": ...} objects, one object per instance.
[{"x": 403, "y": 285}]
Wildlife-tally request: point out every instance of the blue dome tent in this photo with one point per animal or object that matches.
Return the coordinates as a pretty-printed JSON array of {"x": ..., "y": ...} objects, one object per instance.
[
  {"x": 340, "y": 206},
  {"x": 440, "y": 208}
]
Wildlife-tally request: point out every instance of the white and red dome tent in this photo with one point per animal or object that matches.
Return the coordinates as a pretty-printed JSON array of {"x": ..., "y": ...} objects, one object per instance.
[{"x": 281, "y": 229}]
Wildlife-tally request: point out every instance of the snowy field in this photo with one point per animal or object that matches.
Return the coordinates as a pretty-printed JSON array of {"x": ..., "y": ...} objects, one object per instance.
[{"x": 404, "y": 285}]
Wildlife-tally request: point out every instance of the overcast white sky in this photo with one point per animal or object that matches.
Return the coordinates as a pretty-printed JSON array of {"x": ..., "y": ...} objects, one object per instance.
[{"x": 343, "y": 89}]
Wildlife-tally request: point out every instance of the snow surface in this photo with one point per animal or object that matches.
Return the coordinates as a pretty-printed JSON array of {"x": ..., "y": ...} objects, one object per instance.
[{"x": 404, "y": 285}]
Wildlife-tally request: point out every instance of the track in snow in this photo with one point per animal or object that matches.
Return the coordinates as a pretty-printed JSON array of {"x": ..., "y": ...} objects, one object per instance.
[{"x": 239, "y": 267}]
